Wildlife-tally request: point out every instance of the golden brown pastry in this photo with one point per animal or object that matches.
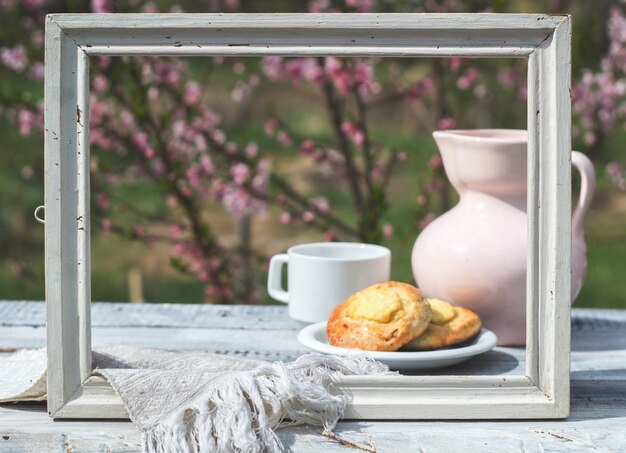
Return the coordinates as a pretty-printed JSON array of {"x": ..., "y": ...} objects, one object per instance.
[
  {"x": 382, "y": 317},
  {"x": 449, "y": 325}
]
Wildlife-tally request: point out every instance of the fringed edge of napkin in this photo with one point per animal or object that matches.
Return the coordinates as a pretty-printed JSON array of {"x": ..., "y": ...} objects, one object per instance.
[{"x": 241, "y": 413}]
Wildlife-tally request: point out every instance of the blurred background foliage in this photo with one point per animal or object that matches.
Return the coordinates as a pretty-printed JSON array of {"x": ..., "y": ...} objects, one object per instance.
[{"x": 204, "y": 168}]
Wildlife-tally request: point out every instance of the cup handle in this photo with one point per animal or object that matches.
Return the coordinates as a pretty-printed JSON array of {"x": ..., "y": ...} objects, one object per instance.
[
  {"x": 274, "y": 278},
  {"x": 587, "y": 187}
]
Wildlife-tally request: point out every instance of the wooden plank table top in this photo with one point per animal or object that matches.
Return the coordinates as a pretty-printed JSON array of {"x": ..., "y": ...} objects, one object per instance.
[{"x": 598, "y": 375}]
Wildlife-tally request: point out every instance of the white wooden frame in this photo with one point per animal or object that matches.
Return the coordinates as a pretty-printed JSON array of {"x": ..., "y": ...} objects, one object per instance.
[{"x": 545, "y": 40}]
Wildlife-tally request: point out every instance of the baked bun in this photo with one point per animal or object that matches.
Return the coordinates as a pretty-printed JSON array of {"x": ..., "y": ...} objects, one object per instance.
[
  {"x": 450, "y": 325},
  {"x": 382, "y": 317}
]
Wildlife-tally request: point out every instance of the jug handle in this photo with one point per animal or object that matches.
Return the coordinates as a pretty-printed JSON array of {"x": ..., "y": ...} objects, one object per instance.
[{"x": 587, "y": 187}]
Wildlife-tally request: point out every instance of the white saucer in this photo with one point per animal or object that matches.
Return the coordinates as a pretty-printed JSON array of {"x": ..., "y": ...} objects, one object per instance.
[{"x": 314, "y": 337}]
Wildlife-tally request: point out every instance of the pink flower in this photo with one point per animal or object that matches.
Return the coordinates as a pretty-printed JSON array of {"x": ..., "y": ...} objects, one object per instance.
[
  {"x": 206, "y": 163},
  {"x": 322, "y": 205},
  {"x": 435, "y": 162},
  {"x": 362, "y": 6},
  {"x": 241, "y": 92},
  {"x": 402, "y": 157},
  {"x": 270, "y": 126},
  {"x": 285, "y": 218},
  {"x": 240, "y": 173},
  {"x": 273, "y": 67},
  {"x": 251, "y": 150},
  {"x": 387, "y": 230},
  {"x": 239, "y": 67},
  {"x": 614, "y": 169},
  {"x": 26, "y": 120},
  {"x": 353, "y": 132},
  {"x": 468, "y": 78},
  {"x": 37, "y": 71},
  {"x": 218, "y": 136},
  {"x": 284, "y": 138},
  {"x": 176, "y": 231},
  {"x": 307, "y": 147},
  {"x": 308, "y": 216},
  {"x": 509, "y": 77},
  {"x": 193, "y": 93},
  {"x": 102, "y": 201},
  {"x": 445, "y": 123},
  {"x": 590, "y": 138},
  {"x": 231, "y": 148},
  {"x": 150, "y": 8},
  {"x": 419, "y": 89},
  {"x": 101, "y": 6},
  {"x": 330, "y": 236},
  {"x": 455, "y": 63},
  {"x": 480, "y": 91},
  {"x": 107, "y": 224},
  {"x": 140, "y": 140},
  {"x": 319, "y": 6},
  {"x": 14, "y": 58},
  {"x": 422, "y": 200},
  {"x": 100, "y": 83}
]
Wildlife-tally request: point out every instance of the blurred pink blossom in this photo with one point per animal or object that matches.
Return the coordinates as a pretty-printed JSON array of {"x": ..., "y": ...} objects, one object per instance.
[
  {"x": 240, "y": 173},
  {"x": 103, "y": 201},
  {"x": 284, "y": 138},
  {"x": 387, "y": 230},
  {"x": 615, "y": 171},
  {"x": 353, "y": 132},
  {"x": 307, "y": 147},
  {"x": 469, "y": 77},
  {"x": 251, "y": 150},
  {"x": 29, "y": 120},
  {"x": 285, "y": 218},
  {"x": 455, "y": 63},
  {"x": 362, "y": 6},
  {"x": 446, "y": 123},
  {"x": 14, "y": 58},
  {"x": 106, "y": 224},
  {"x": 101, "y": 6},
  {"x": 330, "y": 236},
  {"x": 239, "y": 67},
  {"x": 419, "y": 89},
  {"x": 37, "y": 71},
  {"x": 270, "y": 126},
  {"x": 321, "y": 204},
  {"x": 193, "y": 93},
  {"x": 319, "y": 6},
  {"x": 241, "y": 92}
]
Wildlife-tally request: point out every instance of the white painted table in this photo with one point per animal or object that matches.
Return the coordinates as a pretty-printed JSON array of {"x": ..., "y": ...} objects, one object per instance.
[{"x": 597, "y": 421}]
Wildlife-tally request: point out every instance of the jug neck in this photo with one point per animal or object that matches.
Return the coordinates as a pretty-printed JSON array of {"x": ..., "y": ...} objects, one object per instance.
[{"x": 515, "y": 200}]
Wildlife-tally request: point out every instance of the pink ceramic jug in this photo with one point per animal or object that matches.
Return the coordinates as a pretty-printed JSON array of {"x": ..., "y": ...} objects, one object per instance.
[{"x": 475, "y": 254}]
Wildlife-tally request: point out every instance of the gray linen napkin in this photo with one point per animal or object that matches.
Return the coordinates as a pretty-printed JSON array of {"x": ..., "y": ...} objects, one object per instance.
[{"x": 200, "y": 402}]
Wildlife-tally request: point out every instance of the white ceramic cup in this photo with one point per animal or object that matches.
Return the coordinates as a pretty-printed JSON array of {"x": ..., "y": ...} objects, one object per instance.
[{"x": 322, "y": 275}]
